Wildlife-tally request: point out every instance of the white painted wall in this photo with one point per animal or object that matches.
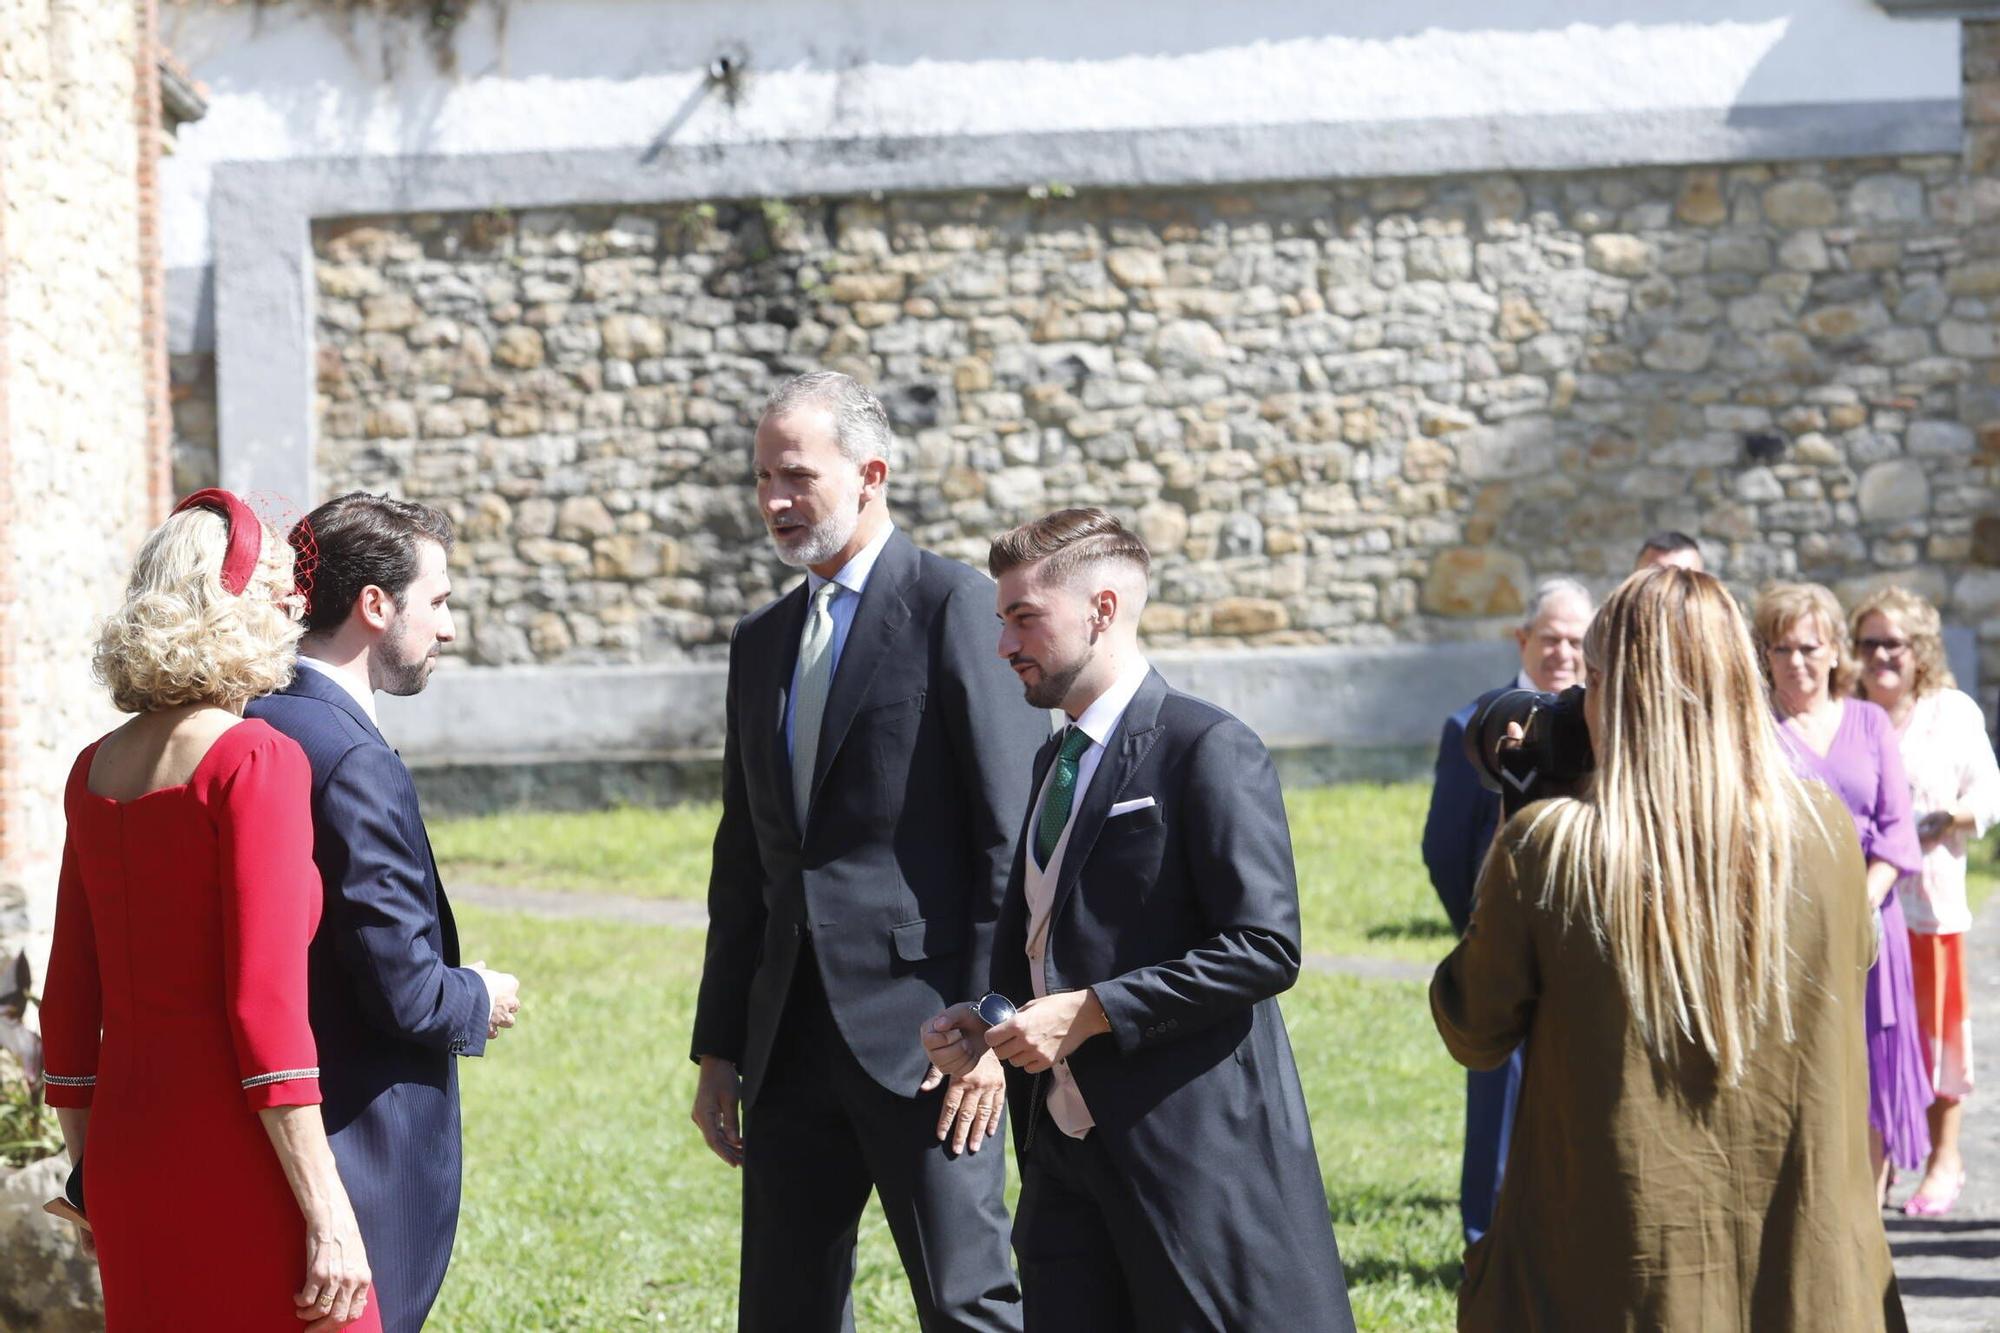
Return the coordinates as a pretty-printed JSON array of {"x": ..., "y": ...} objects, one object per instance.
[{"x": 292, "y": 81}]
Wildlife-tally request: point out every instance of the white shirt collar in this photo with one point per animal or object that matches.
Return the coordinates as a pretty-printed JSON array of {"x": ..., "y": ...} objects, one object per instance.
[
  {"x": 364, "y": 697},
  {"x": 1101, "y": 718},
  {"x": 1522, "y": 682},
  {"x": 853, "y": 575}
]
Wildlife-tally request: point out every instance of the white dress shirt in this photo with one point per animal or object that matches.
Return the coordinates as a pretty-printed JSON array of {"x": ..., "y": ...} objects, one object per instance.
[
  {"x": 361, "y": 695},
  {"x": 1065, "y": 1102}
]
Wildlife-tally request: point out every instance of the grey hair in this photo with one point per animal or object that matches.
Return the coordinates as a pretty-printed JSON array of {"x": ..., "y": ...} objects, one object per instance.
[
  {"x": 1549, "y": 590},
  {"x": 860, "y": 423}
]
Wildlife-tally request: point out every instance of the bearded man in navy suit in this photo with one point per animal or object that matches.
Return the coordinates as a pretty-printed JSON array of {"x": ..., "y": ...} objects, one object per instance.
[{"x": 391, "y": 1008}]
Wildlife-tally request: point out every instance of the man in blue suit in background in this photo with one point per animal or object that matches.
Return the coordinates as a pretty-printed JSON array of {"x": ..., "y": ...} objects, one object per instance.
[
  {"x": 391, "y": 1007},
  {"x": 1463, "y": 818}
]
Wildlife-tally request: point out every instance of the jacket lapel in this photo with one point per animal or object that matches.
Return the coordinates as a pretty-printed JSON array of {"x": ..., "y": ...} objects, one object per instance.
[
  {"x": 308, "y": 683},
  {"x": 1123, "y": 751},
  {"x": 880, "y": 617},
  {"x": 768, "y": 685}
]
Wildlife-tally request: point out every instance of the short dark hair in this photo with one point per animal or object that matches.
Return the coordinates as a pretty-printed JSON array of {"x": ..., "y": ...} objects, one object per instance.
[
  {"x": 356, "y": 541},
  {"x": 1068, "y": 539},
  {"x": 1668, "y": 542}
]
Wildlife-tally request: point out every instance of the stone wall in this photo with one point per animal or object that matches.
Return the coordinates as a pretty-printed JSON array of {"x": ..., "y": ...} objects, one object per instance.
[
  {"x": 1346, "y": 413},
  {"x": 75, "y": 363}
]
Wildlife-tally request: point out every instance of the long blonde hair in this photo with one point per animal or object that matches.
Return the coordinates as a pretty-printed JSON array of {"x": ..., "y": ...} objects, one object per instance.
[{"x": 1679, "y": 853}]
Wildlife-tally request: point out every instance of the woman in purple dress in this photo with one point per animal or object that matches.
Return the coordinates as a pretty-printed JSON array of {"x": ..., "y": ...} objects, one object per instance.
[{"x": 1850, "y": 745}]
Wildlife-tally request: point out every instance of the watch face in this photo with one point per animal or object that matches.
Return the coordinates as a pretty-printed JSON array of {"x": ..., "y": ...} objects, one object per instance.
[{"x": 993, "y": 1010}]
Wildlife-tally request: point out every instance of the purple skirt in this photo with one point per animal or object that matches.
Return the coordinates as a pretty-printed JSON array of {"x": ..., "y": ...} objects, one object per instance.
[{"x": 1899, "y": 1090}]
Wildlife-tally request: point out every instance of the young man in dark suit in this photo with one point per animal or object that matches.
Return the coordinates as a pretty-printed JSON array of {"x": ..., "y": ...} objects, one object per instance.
[
  {"x": 872, "y": 772},
  {"x": 391, "y": 1007},
  {"x": 1457, "y": 831},
  {"x": 1168, "y": 1178}
]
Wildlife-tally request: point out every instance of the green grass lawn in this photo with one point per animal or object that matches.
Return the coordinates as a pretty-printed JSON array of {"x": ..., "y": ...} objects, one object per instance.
[
  {"x": 1361, "y": 881},
  {"x": 590, "y": 1202}
]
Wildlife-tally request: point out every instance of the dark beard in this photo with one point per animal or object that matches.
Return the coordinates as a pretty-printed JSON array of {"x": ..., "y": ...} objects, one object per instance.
[
  {"x": 406, "y": 678},
  {"x": 1053, "y": 687},
  {"x": 397, "y": 676}
]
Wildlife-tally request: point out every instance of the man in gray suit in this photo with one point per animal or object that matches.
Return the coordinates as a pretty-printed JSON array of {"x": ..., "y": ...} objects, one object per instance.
[
  {"x": 1168, "y": 1178},
  {"x": 873, "y": 770}
]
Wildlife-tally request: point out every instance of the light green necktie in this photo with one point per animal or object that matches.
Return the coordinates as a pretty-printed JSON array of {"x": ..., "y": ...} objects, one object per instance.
[
  {"x": 1062, "y": 794},
  {"x": 809, "y": 708}
]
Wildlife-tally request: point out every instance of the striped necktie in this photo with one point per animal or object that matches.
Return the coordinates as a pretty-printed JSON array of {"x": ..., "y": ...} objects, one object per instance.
[
  {"x": 809, "y": 705},
  {"x": 1062, "y": 794}
]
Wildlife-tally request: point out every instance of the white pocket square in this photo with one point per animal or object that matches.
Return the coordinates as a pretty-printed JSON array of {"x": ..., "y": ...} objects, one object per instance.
[{"x": 1127, "y": 807}]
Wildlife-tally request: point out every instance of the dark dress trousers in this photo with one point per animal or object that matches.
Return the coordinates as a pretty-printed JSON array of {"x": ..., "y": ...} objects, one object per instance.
[
  {"x": 1457, "y": 832},
  {"x": 391, "y": 1008},
  {"x": 829, "y": 946},
  {"x": 1196, "y": 1200}
]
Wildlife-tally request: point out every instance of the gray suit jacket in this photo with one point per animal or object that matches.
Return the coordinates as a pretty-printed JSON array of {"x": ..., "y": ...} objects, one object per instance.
[{"x": 922, "y": 765}]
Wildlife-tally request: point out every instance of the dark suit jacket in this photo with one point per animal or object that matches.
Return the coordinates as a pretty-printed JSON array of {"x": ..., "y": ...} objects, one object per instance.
[
  {"x": 1184, "y": 918},
  {"x": 923, "y": 758},
  {"x": 1462, "y": 818},
  {"x": 390, "y": 1005}
]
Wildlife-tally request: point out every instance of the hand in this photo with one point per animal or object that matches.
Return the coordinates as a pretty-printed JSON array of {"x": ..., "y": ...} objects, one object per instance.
[
  {"x": 952, "y": 1041},
  {"x": 717, "y": 1096},
  {"x": 973, "y": 1105},
  {"x": 504, "y": 992},
  {"x": 337, "y": 1276},
  {"x": 1048, "y": 1030},
  {"x": 86, "y": 1240},
  {"x": 1933, "y": 827}
]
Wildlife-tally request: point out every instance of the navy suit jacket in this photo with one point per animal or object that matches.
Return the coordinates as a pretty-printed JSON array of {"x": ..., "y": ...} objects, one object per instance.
[
  {"x": 1462, "y": 818},
  {"x": 391, "y": 1008},
  {"x": 1183, "y": 916}
]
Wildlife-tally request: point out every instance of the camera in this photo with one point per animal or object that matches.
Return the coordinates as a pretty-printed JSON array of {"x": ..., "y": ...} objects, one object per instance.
[{"x": 1553, "y": 755}]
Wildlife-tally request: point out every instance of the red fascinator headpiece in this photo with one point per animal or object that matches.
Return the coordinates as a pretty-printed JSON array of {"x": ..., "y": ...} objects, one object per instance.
[{"x": 246, "y": 534}]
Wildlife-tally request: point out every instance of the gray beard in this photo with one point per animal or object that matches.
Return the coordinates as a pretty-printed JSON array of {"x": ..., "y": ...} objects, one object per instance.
[{"x": 821, "y": 543}]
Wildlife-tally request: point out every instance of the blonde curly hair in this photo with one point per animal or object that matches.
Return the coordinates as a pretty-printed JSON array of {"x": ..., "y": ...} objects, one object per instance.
[
  {"x": 181, "y": 638},
  {"x": 1923, "y": 627}
]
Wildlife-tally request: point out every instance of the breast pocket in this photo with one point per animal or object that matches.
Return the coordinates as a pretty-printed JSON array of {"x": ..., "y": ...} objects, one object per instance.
[
  {"x": 888, "y": 734},
  {"x": 1129, "y": 853}
]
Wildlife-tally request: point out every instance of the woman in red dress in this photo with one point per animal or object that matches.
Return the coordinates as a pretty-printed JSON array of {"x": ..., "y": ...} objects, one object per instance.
[{"x": 174, "y": 1022}]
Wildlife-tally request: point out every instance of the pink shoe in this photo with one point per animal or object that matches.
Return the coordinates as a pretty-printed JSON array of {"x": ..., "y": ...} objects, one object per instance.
[{"x": 1919, "y": 1206}]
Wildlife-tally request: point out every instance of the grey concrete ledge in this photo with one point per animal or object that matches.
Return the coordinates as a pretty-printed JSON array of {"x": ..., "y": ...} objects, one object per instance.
[{"x": 1391, "y": 698}]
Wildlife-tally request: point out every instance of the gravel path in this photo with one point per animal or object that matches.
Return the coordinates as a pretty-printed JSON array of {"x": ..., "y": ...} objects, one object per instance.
[{"x": 1949, "y": 1267}]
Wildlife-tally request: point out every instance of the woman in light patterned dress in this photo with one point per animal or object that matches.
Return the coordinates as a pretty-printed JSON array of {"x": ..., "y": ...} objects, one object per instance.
[{"x": 1955, "y": 795}]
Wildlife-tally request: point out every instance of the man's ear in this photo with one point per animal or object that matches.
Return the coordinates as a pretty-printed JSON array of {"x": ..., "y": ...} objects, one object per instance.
[
  {"x": 874, "y": 478},
  {"x": 1520, "y": 637},
  {"x": 1104, "y": 607},
  {"x": 375, "y": 607}
]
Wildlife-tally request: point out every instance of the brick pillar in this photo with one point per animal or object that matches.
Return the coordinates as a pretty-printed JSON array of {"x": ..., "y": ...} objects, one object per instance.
[
  {"x": 10, "y": 602},
  {"x": 153, "y": 277}
]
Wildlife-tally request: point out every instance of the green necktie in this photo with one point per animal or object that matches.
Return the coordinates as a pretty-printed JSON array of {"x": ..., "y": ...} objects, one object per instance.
[{"x": 1062, "y": 794}]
